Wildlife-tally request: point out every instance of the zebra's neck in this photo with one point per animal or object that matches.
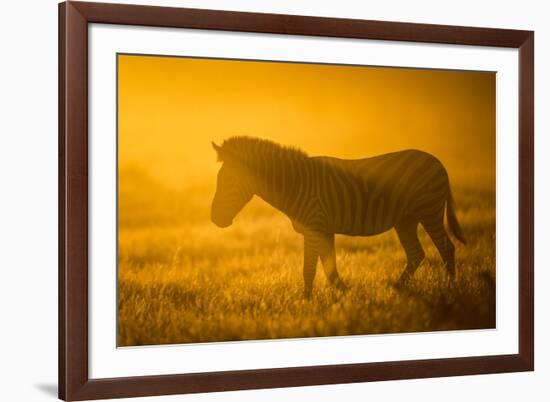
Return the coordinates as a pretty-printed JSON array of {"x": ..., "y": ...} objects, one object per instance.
[
  {"x": 282, "y": 176},
  {"x": 283, "y": 182}
]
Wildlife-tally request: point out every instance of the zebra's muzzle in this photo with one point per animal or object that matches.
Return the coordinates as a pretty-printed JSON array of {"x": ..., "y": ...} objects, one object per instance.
[{"x": 220, "y": 222}]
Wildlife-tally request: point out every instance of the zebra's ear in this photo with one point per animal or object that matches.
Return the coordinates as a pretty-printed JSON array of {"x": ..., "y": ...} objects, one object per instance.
[{"x": 218, "y": 150}]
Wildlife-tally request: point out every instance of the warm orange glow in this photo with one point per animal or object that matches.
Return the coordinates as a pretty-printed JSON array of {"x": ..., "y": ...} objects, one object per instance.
[
  {"x": 182, "y": 279},
  {"x": 171, "y": 108}
]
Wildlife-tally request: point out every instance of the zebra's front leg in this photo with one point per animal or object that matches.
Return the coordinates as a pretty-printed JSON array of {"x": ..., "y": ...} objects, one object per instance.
[
  {"x": 328, "y": 258},
  {"x": 311, "y": 256}
]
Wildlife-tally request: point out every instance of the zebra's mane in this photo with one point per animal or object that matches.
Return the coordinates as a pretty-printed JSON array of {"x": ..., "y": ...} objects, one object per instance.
[{"x": 253, "y": 152}]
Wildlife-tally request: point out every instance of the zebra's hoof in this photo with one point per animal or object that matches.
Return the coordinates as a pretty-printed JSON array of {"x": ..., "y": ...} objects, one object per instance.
[
  {"x": 342, "y": 287},
  {"x": 451, "y": 282},
  {"x": 402, "y": 282}
]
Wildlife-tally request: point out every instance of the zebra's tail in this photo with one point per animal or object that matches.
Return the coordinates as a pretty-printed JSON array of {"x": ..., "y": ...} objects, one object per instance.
[{"x": 451, "y": 218}]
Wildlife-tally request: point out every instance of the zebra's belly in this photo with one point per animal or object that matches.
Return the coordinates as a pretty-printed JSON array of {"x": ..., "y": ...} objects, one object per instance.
[
  {"x": 369, "y": 222},
  {"x": 363, "y": 231}
]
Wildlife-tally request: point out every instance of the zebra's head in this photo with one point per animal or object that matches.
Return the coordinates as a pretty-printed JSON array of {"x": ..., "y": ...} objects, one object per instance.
[{"x": 233, "y": 189}]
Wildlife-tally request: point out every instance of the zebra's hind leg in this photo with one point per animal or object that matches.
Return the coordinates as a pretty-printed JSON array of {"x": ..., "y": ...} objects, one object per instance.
[
  {"x": 407, "y": 231},
  {"x": 328, "y": 258},
  {"x": 436, "y": 230}
]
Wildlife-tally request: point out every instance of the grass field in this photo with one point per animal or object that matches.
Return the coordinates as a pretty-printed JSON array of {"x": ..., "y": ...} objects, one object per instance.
[{"x": 182, "y": 280}]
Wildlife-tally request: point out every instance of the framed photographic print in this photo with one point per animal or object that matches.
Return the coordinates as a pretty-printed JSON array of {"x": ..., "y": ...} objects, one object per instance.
[{"x": 259, "y": 200}]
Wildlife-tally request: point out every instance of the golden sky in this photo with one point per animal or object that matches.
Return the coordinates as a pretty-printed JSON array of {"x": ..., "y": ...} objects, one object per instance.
[{"x": 170, "y": 108}]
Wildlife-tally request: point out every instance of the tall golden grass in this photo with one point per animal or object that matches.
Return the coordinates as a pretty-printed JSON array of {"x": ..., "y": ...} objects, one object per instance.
[{"x": 183, "y": 280}]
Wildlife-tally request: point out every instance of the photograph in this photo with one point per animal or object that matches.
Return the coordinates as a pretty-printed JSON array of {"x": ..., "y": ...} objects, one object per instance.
[{"x": 263, "y": 200}]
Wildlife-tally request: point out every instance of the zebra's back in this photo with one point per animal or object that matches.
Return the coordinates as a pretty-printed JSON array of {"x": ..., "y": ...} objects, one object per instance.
[{"x": 369, "y": 196}]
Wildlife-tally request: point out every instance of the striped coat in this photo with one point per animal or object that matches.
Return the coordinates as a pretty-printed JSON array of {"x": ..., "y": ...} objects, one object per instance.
[{"x": 324, "y": 196}]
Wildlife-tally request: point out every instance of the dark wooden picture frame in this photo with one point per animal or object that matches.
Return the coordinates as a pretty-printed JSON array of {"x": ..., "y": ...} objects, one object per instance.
[{"x": 74, "y": 381}]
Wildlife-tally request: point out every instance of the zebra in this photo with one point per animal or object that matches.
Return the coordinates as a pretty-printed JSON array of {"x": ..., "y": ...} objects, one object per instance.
[{"x": 324, "y": 196}]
